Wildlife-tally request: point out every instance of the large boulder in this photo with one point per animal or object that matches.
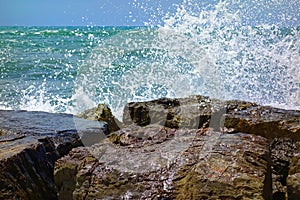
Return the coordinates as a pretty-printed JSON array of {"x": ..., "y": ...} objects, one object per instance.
[
  {"x": 155, "y": 162},
  {"x": 191, "y": 112},
  {"x": 133, "y": 163},
  {"x": 230, "y": 116},
  {"x": 246, "y": 152},
  {"x": 30, "y": 143},
  {"x": 26, "y": 169}
]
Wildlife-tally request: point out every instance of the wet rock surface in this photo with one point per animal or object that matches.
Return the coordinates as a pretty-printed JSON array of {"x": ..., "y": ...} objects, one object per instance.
[
  {"x": 229, "y": 166},
  {"x": 193, "y": 164},
  {"x": 199, "y": 111},
  {"x": 187, "y": 148},
  {"x": 30, "y": 143}
]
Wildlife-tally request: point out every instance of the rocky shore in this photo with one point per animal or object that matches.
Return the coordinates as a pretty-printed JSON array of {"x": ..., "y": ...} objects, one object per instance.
[{"x": 188, "y": 148}]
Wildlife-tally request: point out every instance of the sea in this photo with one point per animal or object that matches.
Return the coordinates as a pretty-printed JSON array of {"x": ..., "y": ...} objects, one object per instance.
[{"x": 211, "y": 52}]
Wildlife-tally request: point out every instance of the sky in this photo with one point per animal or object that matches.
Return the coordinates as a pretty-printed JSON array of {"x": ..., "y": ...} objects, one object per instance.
[
  {"x": 80, "y": 12},
  {"x": 130, "y": 12}
]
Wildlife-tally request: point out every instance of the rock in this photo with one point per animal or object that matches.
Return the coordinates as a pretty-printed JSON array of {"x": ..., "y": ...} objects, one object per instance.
[
  {"x": 185, "y": 148},
  {"x": 265, "y": 121},
  {"x": 293, "y": 186},
  {"x": 128, "y": 167},
  {"x": 228, "y": 166},
  {"x": 26, "y": 169},
  {"x": 155, "y": 162},
  {"x": 293, "y": 179},
  {"x": 153, "y": 112},
  {"x": 282, "y": 152},
  {"x": 30, "y": 143},
  {"x": 102, "y": 113},
  {"x": 165, "y": 151},
  {"x": 191, "y": 112},
  {"x": 200, "y": 111}
]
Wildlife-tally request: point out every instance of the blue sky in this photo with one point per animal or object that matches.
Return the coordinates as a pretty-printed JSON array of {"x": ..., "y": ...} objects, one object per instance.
[
  {"x": 130, "y": 12},
  {"x": 80, "y": 12}
]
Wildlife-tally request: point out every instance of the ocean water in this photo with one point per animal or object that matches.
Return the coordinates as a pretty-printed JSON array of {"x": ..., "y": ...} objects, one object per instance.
[{"x": 212, "y": 51}]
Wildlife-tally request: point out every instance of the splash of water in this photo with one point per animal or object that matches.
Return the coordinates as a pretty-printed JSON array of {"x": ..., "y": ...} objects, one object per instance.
[
  {"x": 255, "y": 63},
  {"x": 37, "y": 98},
  {"x": 215, "y": 51}
]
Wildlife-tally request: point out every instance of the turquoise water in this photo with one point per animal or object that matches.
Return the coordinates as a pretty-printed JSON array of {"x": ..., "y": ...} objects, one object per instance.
[
  {"x": 214, "y": 53},
  {"x": 38, "y": 65}
]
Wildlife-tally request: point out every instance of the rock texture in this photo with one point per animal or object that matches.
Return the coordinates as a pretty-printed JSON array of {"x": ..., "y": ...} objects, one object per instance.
[
  {"x": 293, "y": 178},
  {"x": 265, "y": 121},
  {"x": 174, "y": 164},
  {"x": 234, "y": 167},
  {"x": 199, "y": 111},
  {"x": 193, "y": 112},
  {"x": 30, "y": 143},
  {"x": 283, "y": 151}
]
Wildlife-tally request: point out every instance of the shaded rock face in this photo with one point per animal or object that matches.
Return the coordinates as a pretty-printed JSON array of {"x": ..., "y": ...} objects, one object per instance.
[
  {"x": 30, "y": 143},
  {"x": 293, "y": 179},
  {"x": 283, "y": 151},
  {"x": 26, "y": 170},
  {"x": 183, "y": 164},
  {"x": 193, "y": 112}
]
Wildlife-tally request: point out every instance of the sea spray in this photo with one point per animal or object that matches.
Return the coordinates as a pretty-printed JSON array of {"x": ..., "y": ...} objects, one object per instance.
[{"x": 221, "y": 50}]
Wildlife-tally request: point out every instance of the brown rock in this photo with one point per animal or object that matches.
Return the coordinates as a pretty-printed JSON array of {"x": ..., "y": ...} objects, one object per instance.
[
  {"x": 26, "y": 169},
  {"x": 229, "y": 166},
  {"x": 102, "y": 113},
  {"x": 282, "y": 152},
  {"x": 192, "y": 112},
  {"x": 135, "y": 163},
  {"x": 293, "y": 179},
  {"x": 30, "y": 143},
  {"x": 265, "y": 121},
  {"x": 186, "y": 148}
]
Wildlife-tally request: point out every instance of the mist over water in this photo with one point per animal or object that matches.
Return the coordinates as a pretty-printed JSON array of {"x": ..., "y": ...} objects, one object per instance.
[
  {"x": 247, "y": 50},
  {"x": 230, "y": 50}
]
